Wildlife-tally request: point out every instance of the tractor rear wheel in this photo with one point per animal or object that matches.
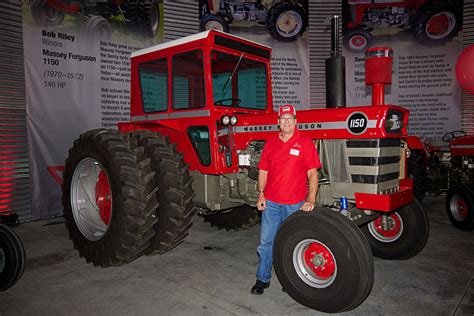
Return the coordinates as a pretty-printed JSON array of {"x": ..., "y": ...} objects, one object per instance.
[
  {"x": 211, "y": 21},
  {"x": 323, "y": 261},
  {"x": 148, "y": 17},
  {"x": 12, "y": 258},
  {"x": 437, "y": 21},
  {"x": 97, "y": 28},
  {"x": 242, "y": 217},
  {"x": 286, "y": 21},
  {"x": 417, "y": 171},
  {"x": 45, "y": 15},
  {"x": 175, "y": 193},
  {"x": 405, "y": 233},
  {"x": 108, "y": 198},
  {"x": 460, "y": 207}
]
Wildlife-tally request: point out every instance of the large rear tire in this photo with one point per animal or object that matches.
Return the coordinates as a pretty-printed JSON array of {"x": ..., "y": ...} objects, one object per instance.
[
  {"x": 108, "y": 198},
  {"x": 12, "y": 258},
  {"x": 323, "y": 261},
  {"x": 460, "y": 207},
  {"x": 417, "y": 171},
  {"x": 148, "y": 17},
  {"x": 406, "y": 234},
  {"x": 242, "y": 217},
  {"x": 175, "y": 193}
]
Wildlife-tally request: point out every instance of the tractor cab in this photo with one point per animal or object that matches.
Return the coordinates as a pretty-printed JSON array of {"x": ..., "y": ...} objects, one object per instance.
[{"x": 194, "y": 91}]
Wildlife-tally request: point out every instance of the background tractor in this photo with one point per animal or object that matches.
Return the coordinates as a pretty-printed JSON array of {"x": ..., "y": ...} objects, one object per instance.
[
  {"x": 201, "y": 111},
  {"x": 142, "y": 14},
  {"x": 284, "y": 19},
  {"x": 432, "y": 21}
]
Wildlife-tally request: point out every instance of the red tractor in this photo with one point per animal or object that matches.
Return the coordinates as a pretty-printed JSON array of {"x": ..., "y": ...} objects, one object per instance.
[
  {"x": 143, "y": 14},
  {"x": 286, "y": 20},
  {"x": 201, "y": 111},
  {"x": 432, "y": 21}
]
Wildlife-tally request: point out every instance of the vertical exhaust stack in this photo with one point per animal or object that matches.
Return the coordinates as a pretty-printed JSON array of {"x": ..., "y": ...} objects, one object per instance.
[
  {"x": 335, "y": 71},
  {"x": 378, "y": 72}
]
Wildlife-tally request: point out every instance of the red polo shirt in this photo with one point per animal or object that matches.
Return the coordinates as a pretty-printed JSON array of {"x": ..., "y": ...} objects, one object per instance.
[{"x": 287, "y": 165}]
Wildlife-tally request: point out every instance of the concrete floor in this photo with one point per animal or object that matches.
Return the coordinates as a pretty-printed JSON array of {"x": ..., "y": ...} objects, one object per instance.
[{"x": 212, "y": 271}]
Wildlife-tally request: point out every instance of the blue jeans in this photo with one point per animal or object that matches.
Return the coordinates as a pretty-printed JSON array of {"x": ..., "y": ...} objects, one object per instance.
[{"x": 272, "y": 217}]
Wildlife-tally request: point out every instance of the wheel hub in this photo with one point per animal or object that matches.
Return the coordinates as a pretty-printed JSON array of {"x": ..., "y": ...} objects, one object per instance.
[
  {"x": 314, "y": 263},
  {"x": 103, "y": 197},
  {"x": 214, "y": 25},
  {"x": 458, "y": 208},
  {"x": 440, "y": 25},
  {"x": 357, "y": 42},
  {"x": 289, "y": 23},
  {"x": 388, "y": 229}
]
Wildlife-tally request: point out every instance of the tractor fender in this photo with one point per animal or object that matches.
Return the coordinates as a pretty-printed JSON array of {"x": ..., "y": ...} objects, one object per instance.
[{"x": 414, "y": 142}]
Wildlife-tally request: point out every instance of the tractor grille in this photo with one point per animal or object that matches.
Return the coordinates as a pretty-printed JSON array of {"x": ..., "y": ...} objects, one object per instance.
[{"x": 366, "y": 165}]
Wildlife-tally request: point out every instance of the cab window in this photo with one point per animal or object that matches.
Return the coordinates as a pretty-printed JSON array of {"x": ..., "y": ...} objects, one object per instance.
[
  {"x": 154, "y": 85},
  {"x": 199, "y": 136},
  {"x": 188, "y": 80}
]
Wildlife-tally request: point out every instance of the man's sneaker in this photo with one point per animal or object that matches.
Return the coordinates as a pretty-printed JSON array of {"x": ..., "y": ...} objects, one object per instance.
[{"x": 259, "y": 286}]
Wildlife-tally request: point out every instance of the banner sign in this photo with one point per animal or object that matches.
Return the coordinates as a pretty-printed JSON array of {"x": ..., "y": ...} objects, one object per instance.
[{"x": 77, "y": 72}]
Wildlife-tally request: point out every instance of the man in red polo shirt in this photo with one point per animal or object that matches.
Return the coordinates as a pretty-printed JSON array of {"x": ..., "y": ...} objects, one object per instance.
[{"x": 288, "y": 164}]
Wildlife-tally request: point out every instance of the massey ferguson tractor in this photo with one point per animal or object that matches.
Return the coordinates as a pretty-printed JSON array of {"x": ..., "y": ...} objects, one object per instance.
[
  {"x": 142, "y": 14},
  {"x": 286, "y": 20},
  {"x": 201, "y": 111},
  {"x": 432, "y": 21}
]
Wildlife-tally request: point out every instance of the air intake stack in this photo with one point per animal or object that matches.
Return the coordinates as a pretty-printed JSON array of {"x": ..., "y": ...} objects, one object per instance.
[{"x": 378, "y": 72}]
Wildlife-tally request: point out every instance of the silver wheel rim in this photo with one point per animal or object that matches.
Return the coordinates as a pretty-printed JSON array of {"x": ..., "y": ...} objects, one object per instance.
[
  {"x": 452, "y": 23},
  {"x": 289, "y": 23},
  {"x": 214, "y": 25},
  {"x": 380, "y": 237},
  {"x": 455, "y": 208},
  {"x": 357, "y": 47},
  {"x": 304, "y": 271},
  {"x": 83, "y": 199}
]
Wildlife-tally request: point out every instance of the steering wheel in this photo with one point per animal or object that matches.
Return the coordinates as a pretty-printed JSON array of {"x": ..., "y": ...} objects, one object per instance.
[
  {"x": 452, "y": 135},
  {"x": 233, "y": 102}
]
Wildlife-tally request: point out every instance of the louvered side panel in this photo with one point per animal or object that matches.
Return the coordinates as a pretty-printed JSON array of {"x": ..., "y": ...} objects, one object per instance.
[
  {"x": 320, "y": 46},
  {"x": 467, "y": 99},
  {"x": 181, "y": 18},
  {"x": 15, "y": 194}
]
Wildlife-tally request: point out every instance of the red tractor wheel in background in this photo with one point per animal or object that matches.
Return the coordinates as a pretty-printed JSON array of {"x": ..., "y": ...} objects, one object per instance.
[
  {"x": 437, "y": 21},
  {"x": 108, "y": 198},
  {"x": 12, "y": 258},
  {"x": 357, "y": 40},
  {"x": 401, "y": 235},
  {"x": 460, "y": 207},
  {"x": 44, "y": 14},
  {"x": 323, "y": 261}
]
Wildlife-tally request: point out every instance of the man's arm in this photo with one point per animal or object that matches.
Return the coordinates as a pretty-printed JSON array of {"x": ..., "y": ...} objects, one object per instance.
[
  {"x": 262, "y": 182},
  {"x": 308, "y": 205}
]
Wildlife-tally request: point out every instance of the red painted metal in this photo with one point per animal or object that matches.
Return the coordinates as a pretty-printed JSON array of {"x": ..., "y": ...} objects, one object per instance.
[
  {"x": 378, "y": 72},
  {"x": 393, "y": 231},
  {"x": 462, "y": 146},
  {"x": 437, "y": 24},
  {"x": 386, "y": 202},
  {"x": 326, "y": 267},
  {"x": 61, "y": 6},
  {"x": 103, "y": 197}
]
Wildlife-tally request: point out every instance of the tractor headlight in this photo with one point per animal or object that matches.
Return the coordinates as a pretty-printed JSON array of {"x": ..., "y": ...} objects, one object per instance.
[
  {"x": 233, "y": 120},
  {"x": 225, "y": 120}
]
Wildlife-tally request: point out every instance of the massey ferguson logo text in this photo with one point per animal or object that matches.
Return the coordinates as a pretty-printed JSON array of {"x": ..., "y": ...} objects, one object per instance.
[{"x": 357, "y": 123}]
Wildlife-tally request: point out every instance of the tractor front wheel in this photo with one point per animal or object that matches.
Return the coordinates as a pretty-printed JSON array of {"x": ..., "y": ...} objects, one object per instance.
[
  {"x": 460, "y": 207},
  {"x": 148, "y": 17},
  {"x": 242, "y": 217},
  {"x": 12, "y": 258},
  {"x": 210, "y": 21},
  {"x": 97, "y": 28},
  {"x": 399, "y": 235},
  {"x": 357, "y": 40},
  {"x": 175, "y": 193},
  {"x": 108, "y": 198},
  {"x": 323, "y": 261}
]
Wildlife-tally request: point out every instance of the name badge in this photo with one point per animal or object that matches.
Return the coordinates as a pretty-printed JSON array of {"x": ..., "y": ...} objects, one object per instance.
[{"x": 294, "y": 152}]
